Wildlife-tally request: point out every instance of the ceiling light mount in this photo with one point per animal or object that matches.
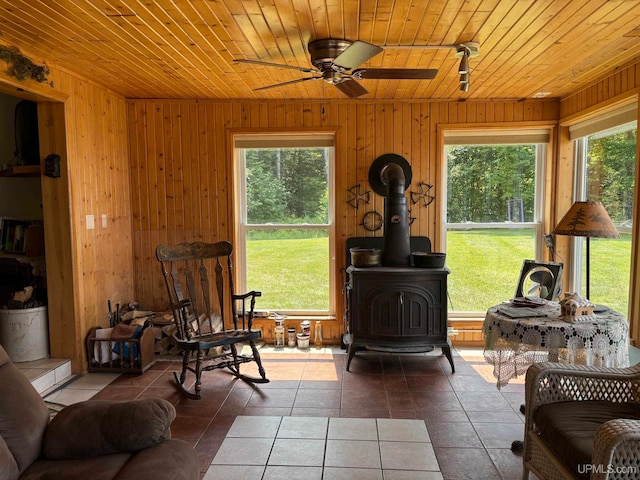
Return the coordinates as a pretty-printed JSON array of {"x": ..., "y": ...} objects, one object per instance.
[{"x": 472, "y": 49}]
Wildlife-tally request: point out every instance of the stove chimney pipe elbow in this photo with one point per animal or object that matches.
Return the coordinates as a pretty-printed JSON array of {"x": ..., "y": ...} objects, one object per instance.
[
  {"x": 396, "y": 251},
  {"x": 392, "y": 175}
]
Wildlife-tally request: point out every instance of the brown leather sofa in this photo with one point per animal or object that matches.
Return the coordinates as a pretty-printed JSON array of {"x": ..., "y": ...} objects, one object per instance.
[{"x": 96, "y": 439}]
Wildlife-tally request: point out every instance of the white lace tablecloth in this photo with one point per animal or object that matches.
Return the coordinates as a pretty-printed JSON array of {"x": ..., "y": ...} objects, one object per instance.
[{"x": 513, "y": 344}]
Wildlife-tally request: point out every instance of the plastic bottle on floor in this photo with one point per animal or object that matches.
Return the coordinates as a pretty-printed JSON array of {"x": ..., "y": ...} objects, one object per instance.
[{"x": 317, "y": 339}]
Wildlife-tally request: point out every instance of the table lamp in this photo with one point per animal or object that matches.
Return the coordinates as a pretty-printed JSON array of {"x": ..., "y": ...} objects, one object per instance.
[{"x": 590, "y": 220}]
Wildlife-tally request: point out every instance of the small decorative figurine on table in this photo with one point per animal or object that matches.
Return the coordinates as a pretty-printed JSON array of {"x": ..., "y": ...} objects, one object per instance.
[{"x": 574, "y": 308}]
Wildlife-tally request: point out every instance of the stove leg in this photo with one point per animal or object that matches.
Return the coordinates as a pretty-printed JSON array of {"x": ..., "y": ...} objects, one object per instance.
[
  {"x": 351, "y": 352},
  {"x": 447, "y": 353}
]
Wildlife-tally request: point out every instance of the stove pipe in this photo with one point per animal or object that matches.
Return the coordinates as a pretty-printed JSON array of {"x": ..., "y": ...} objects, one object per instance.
[{"x": 396, "y": 249}]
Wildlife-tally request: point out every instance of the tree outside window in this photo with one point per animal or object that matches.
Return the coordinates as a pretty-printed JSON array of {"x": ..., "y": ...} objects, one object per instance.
[
  {"x": 492, "y": 223},
  {"x": 610, "y": 178},
  {"x": 285, "y": 219}
]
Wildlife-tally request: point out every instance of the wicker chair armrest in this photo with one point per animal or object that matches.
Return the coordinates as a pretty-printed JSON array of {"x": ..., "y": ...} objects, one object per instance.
[
  {"x": 616, "y": 446},
  {"x": 549, "y": 382}
]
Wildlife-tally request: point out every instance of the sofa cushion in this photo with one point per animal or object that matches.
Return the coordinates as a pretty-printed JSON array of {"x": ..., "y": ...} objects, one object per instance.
[
  {"x": 568, "y": 428},
  {"x": 23, "y": 415},
  {"x": 169, "y": 460},
  {"x": 8, "y": 466},
  {"x": 101, "y": 427},
  {"x": 96, "y": 468}
]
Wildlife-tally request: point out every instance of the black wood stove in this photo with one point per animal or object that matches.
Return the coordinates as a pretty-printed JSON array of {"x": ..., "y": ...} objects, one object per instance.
[{"x": 395, "y": 307}]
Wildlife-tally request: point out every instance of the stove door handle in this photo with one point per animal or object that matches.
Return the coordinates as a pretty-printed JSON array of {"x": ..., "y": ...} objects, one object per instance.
[{"x": 401, "y": 299}]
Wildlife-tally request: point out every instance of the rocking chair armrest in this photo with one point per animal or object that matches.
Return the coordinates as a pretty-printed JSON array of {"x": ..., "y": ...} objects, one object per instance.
[
  {"x": 182, "y": 304},
  {"x": 245, "y": 313},
  {"x": 250, "y": 296},
  {"x": 101, "y": 427},
  {"x": 243, "y": 296}
]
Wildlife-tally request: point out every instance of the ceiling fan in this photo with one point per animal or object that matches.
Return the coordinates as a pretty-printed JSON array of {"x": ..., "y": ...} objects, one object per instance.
[{"x": 336, "y": 62}]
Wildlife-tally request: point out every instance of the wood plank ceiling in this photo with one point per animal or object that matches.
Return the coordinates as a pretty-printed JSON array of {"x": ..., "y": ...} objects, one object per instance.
[{"x": 186, "y": 48}]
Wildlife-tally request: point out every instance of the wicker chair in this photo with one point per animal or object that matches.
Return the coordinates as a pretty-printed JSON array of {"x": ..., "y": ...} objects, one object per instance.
[{"x": 582, "y": 422}]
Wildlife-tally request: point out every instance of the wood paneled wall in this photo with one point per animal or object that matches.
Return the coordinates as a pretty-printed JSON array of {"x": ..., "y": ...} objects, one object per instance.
[
  {"x": 85, "y": 124},
  {"x": 182, "y": 167},
  {"x": 603, "y": 94},
  {"x": 180, "y": 182}
]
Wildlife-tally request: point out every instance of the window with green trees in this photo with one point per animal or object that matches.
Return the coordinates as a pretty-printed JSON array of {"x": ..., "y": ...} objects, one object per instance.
[
  {"x": 493, "y": 183},
  {"x": 285, "y": 217},
  {"x": 606, "y": 166},
  {"x": 493, "y": 214}
]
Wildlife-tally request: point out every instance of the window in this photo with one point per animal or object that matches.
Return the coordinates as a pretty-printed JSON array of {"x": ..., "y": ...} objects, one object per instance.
[
  {"x": 605, "y": 166},
  {"x": 284, "y": 205},
  {"x": 493, "y": 212}
]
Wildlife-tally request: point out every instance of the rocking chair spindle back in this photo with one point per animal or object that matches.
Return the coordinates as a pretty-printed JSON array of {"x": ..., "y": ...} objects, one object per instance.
[{"x": 199, "y": 281}]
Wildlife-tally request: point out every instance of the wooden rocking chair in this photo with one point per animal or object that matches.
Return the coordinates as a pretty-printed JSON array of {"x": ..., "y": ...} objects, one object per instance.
[{"x": 197, "y": 276}]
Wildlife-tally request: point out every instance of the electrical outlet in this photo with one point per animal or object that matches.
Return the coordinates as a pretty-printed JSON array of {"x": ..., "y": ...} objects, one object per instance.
[{"x": 549, "y": 241}]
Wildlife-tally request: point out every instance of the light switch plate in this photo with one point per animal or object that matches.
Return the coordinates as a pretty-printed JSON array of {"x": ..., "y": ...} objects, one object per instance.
[
  {"x": 91, "y": 222},
  {"x": 104, "y": 220}
]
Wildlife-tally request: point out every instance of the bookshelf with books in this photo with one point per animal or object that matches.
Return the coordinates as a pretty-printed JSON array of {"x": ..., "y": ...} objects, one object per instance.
[{"x": 21, "y": 237}]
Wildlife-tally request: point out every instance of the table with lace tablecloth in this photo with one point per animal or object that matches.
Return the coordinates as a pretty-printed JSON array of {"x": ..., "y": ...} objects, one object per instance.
[{"x": 513, "y": 344}]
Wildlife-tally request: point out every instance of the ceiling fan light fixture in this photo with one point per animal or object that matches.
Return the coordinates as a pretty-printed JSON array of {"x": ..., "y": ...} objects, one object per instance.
[
  {"x": 336, "y": 63},
  {"x": 464, "y": 64},
  {"x": 472, "y": 49},
  {"x": 465, "y": 81}
]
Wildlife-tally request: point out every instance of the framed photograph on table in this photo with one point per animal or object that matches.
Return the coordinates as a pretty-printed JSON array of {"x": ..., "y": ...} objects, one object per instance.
[{"x": 540, "y": 279}]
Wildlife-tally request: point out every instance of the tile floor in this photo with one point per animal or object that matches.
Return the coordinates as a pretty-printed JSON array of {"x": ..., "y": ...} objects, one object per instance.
[
  {"x": 318, "y": 421},
  {"x": 47, "y": 374},
  {"x": 316, "y": 448}
]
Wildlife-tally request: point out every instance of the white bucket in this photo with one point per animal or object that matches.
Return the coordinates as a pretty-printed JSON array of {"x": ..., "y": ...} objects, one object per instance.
[
  {"x": 303, "y": 340},
  {"x": 24, "y": 333}
]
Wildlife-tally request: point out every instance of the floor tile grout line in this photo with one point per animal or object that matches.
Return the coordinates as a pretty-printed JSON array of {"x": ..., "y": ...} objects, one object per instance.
[{"x": 326, "y": 443}]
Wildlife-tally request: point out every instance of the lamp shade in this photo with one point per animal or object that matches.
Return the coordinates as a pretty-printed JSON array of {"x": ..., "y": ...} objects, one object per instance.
[{"x": 587, "y": 219}]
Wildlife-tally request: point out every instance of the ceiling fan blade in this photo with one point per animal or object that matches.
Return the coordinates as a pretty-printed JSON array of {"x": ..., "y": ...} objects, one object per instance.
[
  {"x": 287, "y": 83},
  {"x": 351, "y": 88},
  {"x": 396, "y": 73},
  {"x": 277, "y": 65},
  {"x": 356, "y": 54}
]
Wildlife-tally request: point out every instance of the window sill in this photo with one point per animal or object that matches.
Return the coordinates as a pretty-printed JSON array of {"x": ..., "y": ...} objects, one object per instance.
[{"x": 301, "y": 317}]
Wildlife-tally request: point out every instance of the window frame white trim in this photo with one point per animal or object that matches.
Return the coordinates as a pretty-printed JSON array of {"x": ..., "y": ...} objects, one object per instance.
[
  {"x": 540, "y": 136},
  {"x": 605, "y": 121},
  {"x": 602, "y": 126},
  {"x": 302, "y": 139}
]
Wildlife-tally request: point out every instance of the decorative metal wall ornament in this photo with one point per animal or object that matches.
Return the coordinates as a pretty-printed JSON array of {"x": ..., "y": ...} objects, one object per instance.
[
  {"x": 372, "y": 221},
  {"x": 423, "y": 194},
  {"x": 358, "y": 196},
  {"x": 411, "y": 219}
]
